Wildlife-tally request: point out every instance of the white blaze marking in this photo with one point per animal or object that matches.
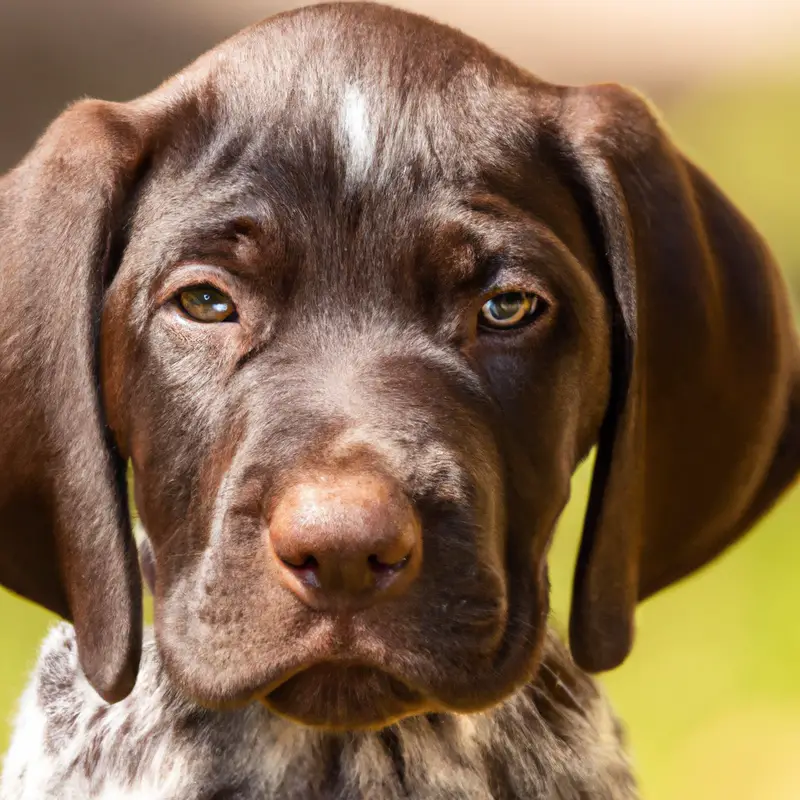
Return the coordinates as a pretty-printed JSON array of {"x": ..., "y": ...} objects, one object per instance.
[{"x": 357, "y": 133}]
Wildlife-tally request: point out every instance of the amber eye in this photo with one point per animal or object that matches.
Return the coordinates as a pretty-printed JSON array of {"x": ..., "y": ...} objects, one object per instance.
[
  {"x": 206, "y": 304},
  {"x": 510, "y": 310}
]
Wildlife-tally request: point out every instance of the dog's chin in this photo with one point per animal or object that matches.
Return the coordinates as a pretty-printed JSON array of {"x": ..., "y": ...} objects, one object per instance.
[{"x": 345, "y": 697}]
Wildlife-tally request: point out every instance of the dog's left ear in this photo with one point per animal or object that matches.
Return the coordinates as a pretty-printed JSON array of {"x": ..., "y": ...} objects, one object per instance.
[{"x": 702, "y": 432}]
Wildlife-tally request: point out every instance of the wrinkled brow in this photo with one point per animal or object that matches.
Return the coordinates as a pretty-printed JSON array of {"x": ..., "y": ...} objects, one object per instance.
[
  {"x": 234, "y": 238},
  {"x": 486, "y": 241}
]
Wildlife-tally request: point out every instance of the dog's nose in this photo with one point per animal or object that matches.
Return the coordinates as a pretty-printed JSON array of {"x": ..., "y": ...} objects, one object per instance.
[{"x": 345, "y": 542}]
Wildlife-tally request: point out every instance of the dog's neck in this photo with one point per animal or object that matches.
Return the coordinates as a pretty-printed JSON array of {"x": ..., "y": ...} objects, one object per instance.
[{"x": 555, "y": 739}]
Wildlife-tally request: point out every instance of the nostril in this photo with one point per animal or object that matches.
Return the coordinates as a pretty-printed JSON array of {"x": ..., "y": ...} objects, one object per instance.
[
  {"x": 308, "y": 564},
  {"x": 383, "y": 568},
  {"x": 306, "y": 571}
]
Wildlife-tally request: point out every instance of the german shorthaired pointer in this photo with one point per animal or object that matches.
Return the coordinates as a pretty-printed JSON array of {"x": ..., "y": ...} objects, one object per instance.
[{"x": 354, "y": 296}]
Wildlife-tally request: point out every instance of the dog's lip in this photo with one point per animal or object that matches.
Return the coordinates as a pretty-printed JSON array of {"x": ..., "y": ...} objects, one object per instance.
[
  {"x": 461, "y": 686},
  {"x": 391, "y": 698},
  {"x": 401, "y": 683}
]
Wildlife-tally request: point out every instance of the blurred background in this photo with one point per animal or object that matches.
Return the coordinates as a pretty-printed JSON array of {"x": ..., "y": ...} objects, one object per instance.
[{"x": 711, "y": 695}]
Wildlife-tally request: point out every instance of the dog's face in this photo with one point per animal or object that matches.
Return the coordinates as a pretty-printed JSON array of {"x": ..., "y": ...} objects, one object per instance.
[
  {"x": 371, "y": 295},
  {"x": 395, "y": 304}
]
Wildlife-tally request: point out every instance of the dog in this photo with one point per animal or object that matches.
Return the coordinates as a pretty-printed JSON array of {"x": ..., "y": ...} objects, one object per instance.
[{"x": 355, "y": 296}]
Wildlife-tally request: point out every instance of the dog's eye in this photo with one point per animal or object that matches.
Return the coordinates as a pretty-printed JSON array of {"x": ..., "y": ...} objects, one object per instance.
[
  {"x": 510, "y": 310},
  {"x": 206, "y": 304}
]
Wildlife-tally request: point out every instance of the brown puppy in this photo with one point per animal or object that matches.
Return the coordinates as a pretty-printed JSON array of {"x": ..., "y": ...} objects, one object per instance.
[{"x": 355, "y": 296}]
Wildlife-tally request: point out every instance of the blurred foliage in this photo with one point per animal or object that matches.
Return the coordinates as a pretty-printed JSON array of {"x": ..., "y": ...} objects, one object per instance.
[{"x": 710, "y": 696}]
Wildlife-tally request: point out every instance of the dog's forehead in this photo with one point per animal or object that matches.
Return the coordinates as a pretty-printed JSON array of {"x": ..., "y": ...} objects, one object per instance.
[
  {"x": 335, "y": 120},
  {"x": 375, "y": 87}
]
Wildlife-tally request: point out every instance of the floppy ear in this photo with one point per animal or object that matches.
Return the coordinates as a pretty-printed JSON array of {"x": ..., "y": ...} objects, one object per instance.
[
  {"x": 702, "y": 433},
  {"x": 65, "y": 539}
]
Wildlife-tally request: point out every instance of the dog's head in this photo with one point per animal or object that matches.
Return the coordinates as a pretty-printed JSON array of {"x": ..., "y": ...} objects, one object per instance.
[{"x": 355, "y": 296}]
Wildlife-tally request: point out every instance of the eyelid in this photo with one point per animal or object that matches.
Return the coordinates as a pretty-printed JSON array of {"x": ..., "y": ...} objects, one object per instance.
[
  {"x": 194, "y": 276},
  {"x": 510, "y": 277},
  {"x": 518, "y": 287}
]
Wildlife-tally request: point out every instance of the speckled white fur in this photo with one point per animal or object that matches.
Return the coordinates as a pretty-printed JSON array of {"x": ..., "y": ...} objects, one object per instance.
[{"x": 554, "y": 740}]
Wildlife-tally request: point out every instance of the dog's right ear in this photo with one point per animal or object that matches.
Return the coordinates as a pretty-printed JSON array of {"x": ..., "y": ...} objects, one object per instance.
[{"x": 65, "y": 539}]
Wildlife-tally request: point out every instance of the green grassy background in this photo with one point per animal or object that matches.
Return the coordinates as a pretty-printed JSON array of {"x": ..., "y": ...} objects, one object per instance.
[{"x": 711, "y": 694}]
